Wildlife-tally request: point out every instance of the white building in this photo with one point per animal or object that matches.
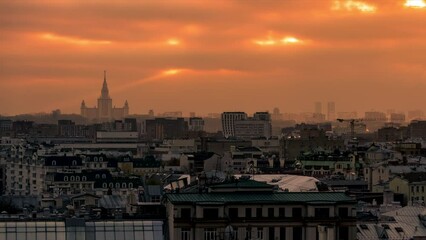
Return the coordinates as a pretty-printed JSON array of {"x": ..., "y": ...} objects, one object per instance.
[
  {"x": 236, "y": 124},
  {"x": 228, "y": 122},
  {"x": 25, "y": 172}
]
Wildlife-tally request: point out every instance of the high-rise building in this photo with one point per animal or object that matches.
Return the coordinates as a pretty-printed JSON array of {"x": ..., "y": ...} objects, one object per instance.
[
  {"x": 331, "y": 111},
  {"x": 237, "y": 124},
  {"x": 318, "y": 107},
  {"x": 105, "y": 111},
  {"x": 228, "y": 122},
  {"x": 166, "y": 128},
  {"x": 276, "y": 115},
  {"x": 196, "y": 124}
]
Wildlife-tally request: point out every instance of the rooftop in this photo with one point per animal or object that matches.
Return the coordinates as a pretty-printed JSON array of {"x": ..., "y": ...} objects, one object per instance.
[{"x": 248, "y": 197}]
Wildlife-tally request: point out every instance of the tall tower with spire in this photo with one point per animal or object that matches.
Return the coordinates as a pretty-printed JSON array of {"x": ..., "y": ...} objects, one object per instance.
[
  {"x": 105, "y": 111},
  {"x": 104, "y": 102}
]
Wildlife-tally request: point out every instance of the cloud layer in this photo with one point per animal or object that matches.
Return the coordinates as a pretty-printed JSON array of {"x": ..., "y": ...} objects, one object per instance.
[{"x": 213, "y": 56}]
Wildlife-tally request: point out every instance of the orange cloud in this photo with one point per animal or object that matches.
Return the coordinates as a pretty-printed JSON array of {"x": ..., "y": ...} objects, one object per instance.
[
  {"x": 415, "y": 4},
  {"x": 351, "y": 5},
  {"x": 72, "y": 40},
  {"x": 271, "y": 41}
]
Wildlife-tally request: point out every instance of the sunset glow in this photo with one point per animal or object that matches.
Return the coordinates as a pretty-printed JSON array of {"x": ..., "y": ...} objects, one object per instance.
[
  {"x": 173, "y": 41},
  {"x": 331, "y": 49},
  {"x": 270, "y": 41},
  {"x": 350, "y": 5},
  {"x": 289, "y": 40},
  {"x": 72, "y": 40},
  {"x": 172, "y": 72},
  {"x": 415, "y": 4}
]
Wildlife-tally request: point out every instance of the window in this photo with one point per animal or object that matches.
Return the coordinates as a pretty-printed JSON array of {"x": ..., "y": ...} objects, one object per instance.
[
  {"x": 281, "y": 212},
  {"x": 103, "y": 175},
  {"x": 104, "y": 185},
  {"x": 185, "y": 234},
  {"x": 72, "y": 178},
  {"x": 259, "y": 212},
  {"x": 111, "y": 185},
  {"x": 296, "y": 212},
  {"x": 66, "y": 179},
  {"x": 83, "y": 178},
  {"x": 101, "y": 159},
  {"x": 423, "y": 189},
  {"x": 185, "y": 213},
  {"x": 417, "y": 188},
  {"x": 271, "y": 233},
  {"x": 322, "y": 212},
  {"x": 343, "y": 212},
  {"x": 74, "y": 162},
  {"x": 248, "y": 233},
  {"x": 343, "y": 233},
  {"x": 399, "y": 229},
  {"x": 123, "y": 185},
  {"x": 270, "y": 212},
  {"x": 248, "y": 212},
  {"x": 233, "y": 213},
  {"x": 77, "y": 178},
  {"x": 209, "y": 233},
  {"x": 259, "y": 233},
  {"x": 53, "y": 163},
  {"x": 130, "y": 185},
  {"x": 97, "y": 176},
  {"x": 210, "y": 213},
  {"x": 297, "y": 233},
  {"x": 117, "y": 185},
  {"x": 95, "y": 159},
  {"x": 412, "y": 188},
  {"x": 282, "y": 233}
]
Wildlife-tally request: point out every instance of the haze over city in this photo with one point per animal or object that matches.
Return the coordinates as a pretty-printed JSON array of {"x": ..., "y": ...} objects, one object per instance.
[{"x": 213, "y": 56}]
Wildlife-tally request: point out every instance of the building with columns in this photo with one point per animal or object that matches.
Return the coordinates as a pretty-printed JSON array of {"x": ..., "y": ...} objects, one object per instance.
[{"x": 105, "y": 111}]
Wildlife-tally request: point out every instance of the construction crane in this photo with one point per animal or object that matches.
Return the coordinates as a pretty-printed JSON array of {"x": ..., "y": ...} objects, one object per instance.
[{"x": 352, "y": 123}]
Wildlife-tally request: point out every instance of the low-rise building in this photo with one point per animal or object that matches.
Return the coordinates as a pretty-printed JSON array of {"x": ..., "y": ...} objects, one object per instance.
[
  {"x": 411, "y": 185},
  {"x": 252, "y": 210}
]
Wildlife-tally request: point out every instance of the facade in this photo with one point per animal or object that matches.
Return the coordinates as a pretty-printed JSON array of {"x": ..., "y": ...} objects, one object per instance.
[
  {"x": 166, "y": 128},
  {"x": 318, "y": 107},
  {"x": 252, "y": 210},
  {"x": 105, "y": 111},
  {"x": 24, "y": 173},
  {"x": 228, "y": 122},
  {"x": 331, "y": 111},
  {"x": 417, "y": 129},
  {"x": 237, "y": 124},
  {"x": 411, "y": 185},
  {"x": 196, "y": 124},
  {"x": 323, "y": 164}
]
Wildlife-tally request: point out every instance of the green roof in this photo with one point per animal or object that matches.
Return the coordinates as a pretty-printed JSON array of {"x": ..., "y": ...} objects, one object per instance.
[{"x": 249, "y": 197}]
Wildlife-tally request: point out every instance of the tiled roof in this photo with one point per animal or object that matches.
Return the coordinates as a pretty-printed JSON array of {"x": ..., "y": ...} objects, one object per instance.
[{"x": 246, "y": 197}]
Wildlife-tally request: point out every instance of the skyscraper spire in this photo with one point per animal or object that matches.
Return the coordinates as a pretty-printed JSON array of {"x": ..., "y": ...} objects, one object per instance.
[{"x": 105, "y": 91}]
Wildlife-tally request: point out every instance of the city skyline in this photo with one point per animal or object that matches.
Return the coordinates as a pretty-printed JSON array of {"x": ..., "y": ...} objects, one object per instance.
[{"x": 362, "y": 55}]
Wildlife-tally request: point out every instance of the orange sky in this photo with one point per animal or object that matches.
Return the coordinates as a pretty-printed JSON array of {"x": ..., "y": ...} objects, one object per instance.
[{"x": 213, "y": 56}]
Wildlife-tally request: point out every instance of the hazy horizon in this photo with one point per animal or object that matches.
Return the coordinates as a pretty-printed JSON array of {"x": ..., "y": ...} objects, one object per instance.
[{"x": 211, "y": 57}]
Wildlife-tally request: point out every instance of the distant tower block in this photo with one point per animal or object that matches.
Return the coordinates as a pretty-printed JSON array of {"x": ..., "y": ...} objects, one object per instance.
[
  {"x": 318, "y": 107},
  {"x": 331, "y": 111}
]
